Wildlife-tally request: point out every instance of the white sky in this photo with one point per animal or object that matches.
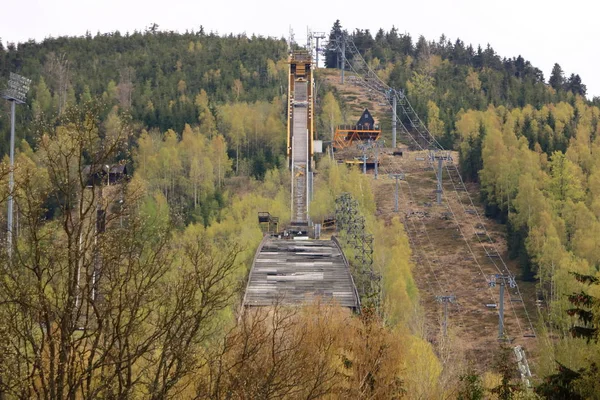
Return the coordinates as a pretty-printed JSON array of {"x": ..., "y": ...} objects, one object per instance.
[{"x": 543, "y": 32}]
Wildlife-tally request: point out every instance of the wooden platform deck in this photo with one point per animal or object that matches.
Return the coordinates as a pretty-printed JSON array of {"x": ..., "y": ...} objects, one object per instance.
[{"x": 298, "y": 271}]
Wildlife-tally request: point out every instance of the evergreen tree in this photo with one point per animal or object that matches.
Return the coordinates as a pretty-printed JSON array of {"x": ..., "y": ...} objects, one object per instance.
[
  {"x": 559, "y": 386},
  {"x": 568, "y": 383},
  {"x": 422, "y": 49},
  {"x": 478, "y": 58},
  {"x": 557, "y": 77},
  {"x": 504, "y": 366},
  {"x": 331, "y": 52},
  {"x": 575, "y": 85},
  {"x": 471, "y": 386},
  {"x": 586, "y": 309},
  {"x": 520, "y": 66},
  {"x": 363, "y": 41}
]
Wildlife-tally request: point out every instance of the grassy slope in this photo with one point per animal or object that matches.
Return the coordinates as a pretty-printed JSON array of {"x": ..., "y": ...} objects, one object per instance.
[{"x": 449, "y": 255}]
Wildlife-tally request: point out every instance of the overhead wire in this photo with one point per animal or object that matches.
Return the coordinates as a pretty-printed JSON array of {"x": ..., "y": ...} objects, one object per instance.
[
  {"x": 422, "y": 251},
  {"x": 473, "y": 254},
  {"x": 377, "y": 91},
  {"x": 457, "y": 304},
  {"x": 416, "y": 122},
  {"x": 491, "y": 241},
  {"x": 421, "y": 147},
  {"x": 489, "y": 256}
]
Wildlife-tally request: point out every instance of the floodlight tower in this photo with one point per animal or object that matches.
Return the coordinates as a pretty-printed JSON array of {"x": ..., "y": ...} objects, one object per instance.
[{"x": 18, "y": 86}]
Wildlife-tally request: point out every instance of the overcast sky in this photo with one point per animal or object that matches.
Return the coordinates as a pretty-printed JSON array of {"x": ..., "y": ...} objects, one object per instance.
[{"x": 543, "y": 32}]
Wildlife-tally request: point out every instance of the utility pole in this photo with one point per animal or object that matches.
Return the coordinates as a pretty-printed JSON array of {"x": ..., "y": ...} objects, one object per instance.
[
  {"x": 338, "y": 54},
  {"x": 439, "y": 182},
  {"x": 11, "y": 179},
  {"x": 18, "y": 86},
  {"x": 394, "y": 118},
  {"x": 343, "y": 60},
  {"x": 376, "y": 145},
  {"x": 501, "y": 281},
  {"x": 445, "y": 300},
  {"x": 397, "y": 177},
  {"x": 364, "y": 157},
  {"x": 440, "y": 159},
  {"x": 317, "y": 36}
]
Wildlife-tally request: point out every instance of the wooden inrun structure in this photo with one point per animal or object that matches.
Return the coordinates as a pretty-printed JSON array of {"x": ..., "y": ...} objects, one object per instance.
[
  {"x": 300, "y": 134},
  {"x": 364, "y": 130},
  {"x": 288, "y": 267}
]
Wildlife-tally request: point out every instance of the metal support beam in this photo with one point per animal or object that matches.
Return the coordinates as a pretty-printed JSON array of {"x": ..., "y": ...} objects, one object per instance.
[
  {"x": 445, "y": 318},
  {"x": 445, "y": 300},
  {"x": 397, "y": 177},
  {"x": 394, "y": 119},
  {"x": 310, "y": 186},
  {"x": 501, "y": 280},
  {"x": 317, "y": 52},
  {"x": 364, "y": 158},
  {"x": 439, "y": 182},
  {"x": 376, "y": 159},
  {"x": 375, "y": 145},
  {"x": 501, "y": 313},
  {"x": 364, "y": 148},
  {"x": 11, "y": 180},
  {"x": 351, "y": 227},
  {"x": 343, "y": 58},
  {"x": 16, "y": 92},
  {"x": 317, "y": 36}
]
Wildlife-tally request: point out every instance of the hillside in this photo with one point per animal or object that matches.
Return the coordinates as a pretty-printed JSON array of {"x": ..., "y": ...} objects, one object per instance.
[
  {"x": 156, "y": 76},
  {"x": 131, "y": 286},
  {"x": 530, "y": 160},
  {"x": 450, "y": 242}
]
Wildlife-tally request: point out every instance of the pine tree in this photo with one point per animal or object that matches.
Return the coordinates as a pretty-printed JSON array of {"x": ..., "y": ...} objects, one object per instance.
[
  {"x": 568, "y": 383},
  {"x": 586, "y": 309},
  {"x": 557, "y": 77},
  {"x": 504, "y": 366},
  {"x": 559, "y": 386},
  {"x": 331, "y": 52},
  {"x": 575, "y": 85},
  {"x": 471, "y": 386}
]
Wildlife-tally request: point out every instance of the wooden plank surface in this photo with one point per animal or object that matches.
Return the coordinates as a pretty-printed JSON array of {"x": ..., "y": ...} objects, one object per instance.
[{"x": 295, "y": 272}]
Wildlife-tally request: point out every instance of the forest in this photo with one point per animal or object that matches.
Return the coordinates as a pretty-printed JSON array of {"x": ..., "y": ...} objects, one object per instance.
[{"x": 145, "y": 304}]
